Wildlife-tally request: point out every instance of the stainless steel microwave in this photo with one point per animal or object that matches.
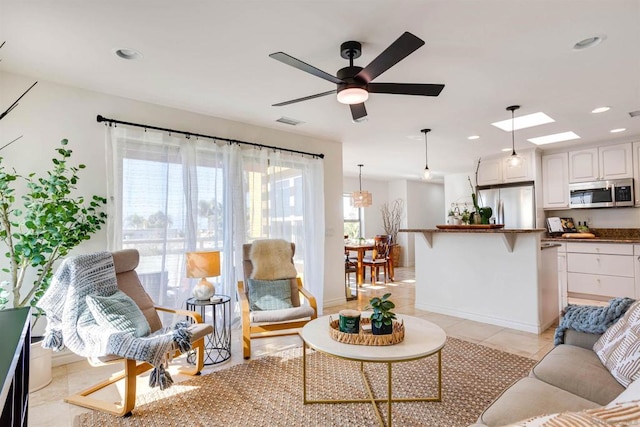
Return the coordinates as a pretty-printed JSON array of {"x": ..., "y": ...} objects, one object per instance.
[{"x": 613, "y": 193}]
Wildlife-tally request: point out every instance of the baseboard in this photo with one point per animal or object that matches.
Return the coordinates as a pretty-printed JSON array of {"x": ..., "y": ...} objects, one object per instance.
[
  {"x": 334, "y": 302},
  {"x": 505, "y": 323}
]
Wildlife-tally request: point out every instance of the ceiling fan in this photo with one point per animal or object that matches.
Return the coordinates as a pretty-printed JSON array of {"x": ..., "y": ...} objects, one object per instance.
[{"x": 355, "y": 83}]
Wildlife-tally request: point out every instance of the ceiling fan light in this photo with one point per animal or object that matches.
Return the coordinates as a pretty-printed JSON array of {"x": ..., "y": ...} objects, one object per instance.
[{"x": 352, "y": 95}]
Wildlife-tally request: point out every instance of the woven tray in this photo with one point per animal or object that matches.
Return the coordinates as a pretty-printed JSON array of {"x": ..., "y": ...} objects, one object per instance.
[{"x": 366, "y": 337}]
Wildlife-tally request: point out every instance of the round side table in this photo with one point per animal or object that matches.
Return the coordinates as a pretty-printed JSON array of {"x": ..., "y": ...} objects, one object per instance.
[{"x": 218, "y": 343}]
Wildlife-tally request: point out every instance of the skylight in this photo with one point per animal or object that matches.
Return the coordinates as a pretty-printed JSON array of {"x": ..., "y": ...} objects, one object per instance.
[
  {"x": 556, "y": 137},
  {"x": 524, "y": 122}
]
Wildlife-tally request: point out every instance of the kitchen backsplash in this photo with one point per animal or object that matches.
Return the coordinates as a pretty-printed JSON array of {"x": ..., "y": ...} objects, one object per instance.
[{"x": 602, "y": 218}]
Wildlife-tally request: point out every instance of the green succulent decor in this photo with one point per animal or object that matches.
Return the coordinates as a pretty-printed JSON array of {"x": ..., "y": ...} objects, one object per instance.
[
  {"x": 382, "y": 314},
  {"x": 42, "y": 226}
]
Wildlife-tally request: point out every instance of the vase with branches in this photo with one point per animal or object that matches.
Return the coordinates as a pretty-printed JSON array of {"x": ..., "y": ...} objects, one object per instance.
[{"x": 392, "y": 217}]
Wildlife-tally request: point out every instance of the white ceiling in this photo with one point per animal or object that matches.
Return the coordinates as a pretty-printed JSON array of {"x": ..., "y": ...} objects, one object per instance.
[{"x": 211, "y": 57}]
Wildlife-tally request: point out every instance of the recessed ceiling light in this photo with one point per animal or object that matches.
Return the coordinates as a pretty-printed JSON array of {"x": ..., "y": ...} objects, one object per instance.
[
  {"x": 556, "y": 137},
  {"x": 506, "y": 149},
  {"x": 524, "y": 122},
  {"x": 600, "y": 110},
  {"x": 472, "y": 137},
  {"x": 618, "y": 130},
  {"x": 588, "y": 42},
  {"x": 130, "y": 54}
]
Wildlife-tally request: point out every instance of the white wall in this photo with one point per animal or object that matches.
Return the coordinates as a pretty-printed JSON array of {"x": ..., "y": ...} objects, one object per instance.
[
  {"x": 51, "y": 112},
  {"x": 424, "y": 210},
  {"x": 372, "y": 216},
  {"x": 456, "y": 190}
]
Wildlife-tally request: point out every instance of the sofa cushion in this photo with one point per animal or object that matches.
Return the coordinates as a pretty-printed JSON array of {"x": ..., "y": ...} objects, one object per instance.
[
  {"x": 623, "y": 415},
  {"x": 631, "y": 393},
  {"x": 578, "y": 371},
  {"x": 619, "y": 347},
  {"x": 530, "y": 397}
]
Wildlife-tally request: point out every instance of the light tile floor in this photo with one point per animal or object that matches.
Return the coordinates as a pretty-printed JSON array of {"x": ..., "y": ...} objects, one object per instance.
[{"x": 47, "y": 407}]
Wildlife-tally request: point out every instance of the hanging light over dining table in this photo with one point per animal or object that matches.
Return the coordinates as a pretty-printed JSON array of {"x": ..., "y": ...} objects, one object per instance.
[{"x": 361, "y": 199}]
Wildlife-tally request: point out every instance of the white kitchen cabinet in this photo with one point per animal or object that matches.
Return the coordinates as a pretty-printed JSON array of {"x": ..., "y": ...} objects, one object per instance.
[
  {"x": 601, "y": 163},
  {"x": 490, "y": 171},
  {"x": 496, "y": 170},
  {"x": 562, "y": 276},
  {"x": 601, "y": 270},
  {"x": 636, "y": 172},
  {"x": 555, "y": 181}
]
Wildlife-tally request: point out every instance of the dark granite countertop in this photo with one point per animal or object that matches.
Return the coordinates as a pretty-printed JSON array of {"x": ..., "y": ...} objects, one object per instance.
[{"x": 603, "y": 235}]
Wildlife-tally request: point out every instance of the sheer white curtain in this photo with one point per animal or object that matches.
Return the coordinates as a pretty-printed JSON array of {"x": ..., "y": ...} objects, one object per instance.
[{"x": 169, "y": 195}]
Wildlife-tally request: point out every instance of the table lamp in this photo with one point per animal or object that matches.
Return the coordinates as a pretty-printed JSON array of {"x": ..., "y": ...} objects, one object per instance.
[{"x": 202, "y": 265}]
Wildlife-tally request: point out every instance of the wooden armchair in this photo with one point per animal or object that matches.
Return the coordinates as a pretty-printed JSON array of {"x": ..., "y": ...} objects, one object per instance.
[
  {"x": 125, "y": 262},
  {"x": 269, "y": 323}
]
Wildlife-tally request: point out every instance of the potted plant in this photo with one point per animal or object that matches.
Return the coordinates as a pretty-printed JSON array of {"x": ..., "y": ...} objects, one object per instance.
[
  {"x": 382, "y": 316},
  {"x": 392, "y": 214},
  {"x": 39, "y": 228}
]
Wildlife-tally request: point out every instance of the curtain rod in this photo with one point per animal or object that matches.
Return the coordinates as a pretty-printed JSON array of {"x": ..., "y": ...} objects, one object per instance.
[{"x": 101, "y": 119}]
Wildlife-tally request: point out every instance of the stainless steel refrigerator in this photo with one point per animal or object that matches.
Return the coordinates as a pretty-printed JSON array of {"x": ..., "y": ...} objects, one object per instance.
[{"x": 513, "y": 204}]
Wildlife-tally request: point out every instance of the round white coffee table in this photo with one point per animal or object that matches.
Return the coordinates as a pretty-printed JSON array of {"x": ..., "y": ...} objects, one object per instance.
[{"x": 421, "y": 339}]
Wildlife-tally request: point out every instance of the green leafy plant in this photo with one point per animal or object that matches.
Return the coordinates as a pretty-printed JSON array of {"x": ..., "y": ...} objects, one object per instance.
[
  {"x": 382, "y": 314},
  {"x": 49, "y": 223}
]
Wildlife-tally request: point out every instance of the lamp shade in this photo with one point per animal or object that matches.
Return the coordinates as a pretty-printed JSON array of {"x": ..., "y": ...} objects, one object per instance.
[{"x": 203, "y": 264}]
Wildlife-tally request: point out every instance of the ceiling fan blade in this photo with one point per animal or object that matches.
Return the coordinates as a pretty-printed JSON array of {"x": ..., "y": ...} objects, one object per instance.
[
  {"x": 303, "y": 66},
  {"x": 424, "y": 89},
  {"x": 306, "y": 98},
  {"x": 358, "y": 111},
  {"x": 406, "y": 44}
]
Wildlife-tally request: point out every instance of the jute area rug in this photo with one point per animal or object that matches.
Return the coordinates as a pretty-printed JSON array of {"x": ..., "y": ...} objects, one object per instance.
[{"x": 268, "y": 392}]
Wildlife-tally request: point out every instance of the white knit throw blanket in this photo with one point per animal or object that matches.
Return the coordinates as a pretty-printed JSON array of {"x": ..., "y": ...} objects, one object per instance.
[{"x": 71, "y": 324}]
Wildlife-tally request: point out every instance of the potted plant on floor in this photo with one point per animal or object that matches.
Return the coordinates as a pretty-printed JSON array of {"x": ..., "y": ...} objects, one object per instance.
[
  {"x": 37, "y": 229},
  {"x": 382, "y": 316},
  {"x": 392, "y": 214}
]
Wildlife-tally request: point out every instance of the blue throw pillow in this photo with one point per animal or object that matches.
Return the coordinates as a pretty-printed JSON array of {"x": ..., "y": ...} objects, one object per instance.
[
  {"x": 269, "y": 294},
  {"x": 118, "y": 312}
]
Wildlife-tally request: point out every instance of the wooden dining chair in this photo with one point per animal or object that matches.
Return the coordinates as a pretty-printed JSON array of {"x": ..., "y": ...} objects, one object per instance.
[{"x": 379, "y": 257}]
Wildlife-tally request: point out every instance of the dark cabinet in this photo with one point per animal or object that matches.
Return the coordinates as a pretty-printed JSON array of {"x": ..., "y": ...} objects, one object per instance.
[{"x": 14, "y": 366}]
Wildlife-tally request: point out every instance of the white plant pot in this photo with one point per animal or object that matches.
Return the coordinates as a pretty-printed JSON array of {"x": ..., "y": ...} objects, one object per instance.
[{"x": 39, "y": 366}]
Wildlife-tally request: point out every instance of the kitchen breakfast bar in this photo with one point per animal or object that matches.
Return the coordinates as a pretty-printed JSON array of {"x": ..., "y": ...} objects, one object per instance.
[{"x": 504, "y": 277}]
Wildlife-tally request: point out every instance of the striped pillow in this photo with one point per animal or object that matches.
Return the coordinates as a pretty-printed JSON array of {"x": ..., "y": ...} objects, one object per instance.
[
  {"x": 619, "y": 347},
  {"x": 269, "y": 294},
  {"x": 118, "y": 312},
  {"x": 624, "y": 414}
]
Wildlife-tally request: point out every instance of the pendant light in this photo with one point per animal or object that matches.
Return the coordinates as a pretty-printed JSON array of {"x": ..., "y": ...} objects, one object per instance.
[
  {"x": 427, "y": 173},
  {"x": 361, "y": 199},
  {"x": 514, "y": 160}
]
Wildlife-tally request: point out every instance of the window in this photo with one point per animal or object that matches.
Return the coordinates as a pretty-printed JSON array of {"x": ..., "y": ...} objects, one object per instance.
[{"x": 352, "y": 218}]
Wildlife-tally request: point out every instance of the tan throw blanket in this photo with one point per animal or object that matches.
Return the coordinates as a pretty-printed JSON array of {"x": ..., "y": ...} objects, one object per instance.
[{"x": 272, "y": 259}]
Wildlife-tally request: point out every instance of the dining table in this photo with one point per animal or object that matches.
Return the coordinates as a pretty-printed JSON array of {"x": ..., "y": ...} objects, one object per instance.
[{"x": 361, "y": 249}]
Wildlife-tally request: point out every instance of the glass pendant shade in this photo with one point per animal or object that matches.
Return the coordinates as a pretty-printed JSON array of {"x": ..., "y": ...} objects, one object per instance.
[
  {"x": 361, "y": 199},
  {"x": 426, "y": 174},
  {"x": 514, "y": 160}
]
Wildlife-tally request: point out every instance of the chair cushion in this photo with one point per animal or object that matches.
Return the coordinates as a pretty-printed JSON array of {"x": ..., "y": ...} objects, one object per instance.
[
  {"x": 286, "y": 314},
  {"x": 269, "y": 294},
  {"x": 578, "y": 371},
  {"x": 530, "y": 397},
  {"x": 118, "y": 312},
  {"x": 619, "y": 347}
]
